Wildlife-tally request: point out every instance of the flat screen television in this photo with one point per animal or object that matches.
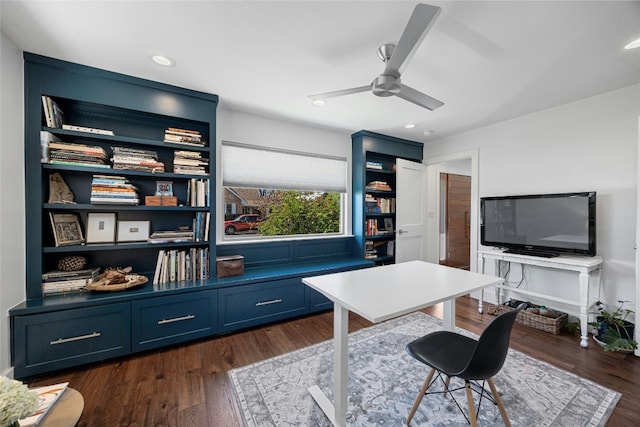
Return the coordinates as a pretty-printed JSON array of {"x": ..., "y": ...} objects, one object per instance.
[{"x": 540, "y": 224}]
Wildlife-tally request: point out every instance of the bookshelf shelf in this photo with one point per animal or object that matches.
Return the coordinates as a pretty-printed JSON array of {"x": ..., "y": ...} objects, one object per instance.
[
  {"x": 91, "y": 247},
  {"x": 123, "y": 139}
]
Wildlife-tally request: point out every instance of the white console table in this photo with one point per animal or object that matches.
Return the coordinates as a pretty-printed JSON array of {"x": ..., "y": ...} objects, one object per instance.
[{"x": 586, "y": 267}]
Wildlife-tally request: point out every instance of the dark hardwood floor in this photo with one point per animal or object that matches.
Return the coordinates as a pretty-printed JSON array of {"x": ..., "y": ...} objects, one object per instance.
[{"x": 188, "y": 385}]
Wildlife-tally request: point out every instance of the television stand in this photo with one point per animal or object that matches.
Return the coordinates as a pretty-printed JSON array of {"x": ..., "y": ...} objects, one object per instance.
[
  {"x": 586, "y": 267},
  {"x": 541, "y": 254}
]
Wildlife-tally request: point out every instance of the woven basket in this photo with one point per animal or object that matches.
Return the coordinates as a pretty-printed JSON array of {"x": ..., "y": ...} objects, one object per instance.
[{"x": 552, "y": 325}]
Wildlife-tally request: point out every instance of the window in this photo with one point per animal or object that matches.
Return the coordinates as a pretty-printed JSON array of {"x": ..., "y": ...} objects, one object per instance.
[{"x": 281, "y": 192}]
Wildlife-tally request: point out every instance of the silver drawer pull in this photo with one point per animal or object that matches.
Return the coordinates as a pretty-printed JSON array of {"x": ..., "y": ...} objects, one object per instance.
[
  {"x": 176, "y": 319},
  {"x": 273, "y": 301},
  {"x": 78, "y": 338}
]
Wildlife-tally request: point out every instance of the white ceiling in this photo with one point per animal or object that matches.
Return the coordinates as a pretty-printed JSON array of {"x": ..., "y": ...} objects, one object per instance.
[{"x": 488, "y": 61}]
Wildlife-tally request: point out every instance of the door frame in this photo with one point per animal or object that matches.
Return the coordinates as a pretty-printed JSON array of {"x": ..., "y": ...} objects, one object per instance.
[{"x": 433, "y": 204}]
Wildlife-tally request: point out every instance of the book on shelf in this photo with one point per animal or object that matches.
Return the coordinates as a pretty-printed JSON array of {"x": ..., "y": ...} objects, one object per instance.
[
  {"x": 54, "y": 117},
  {"x": 181, "y": 265},
  {"x": 88, "y": 130},
  {"x": 183, "y": 136},
  {"x": 80, "y": 148},
  {"x": 107, "y": 189},
  {"x": 198, "y": 192},
  {"x": 373, "y": 165},
  {"x": 135, "y": 152},
  {"x": 47, "y": 398},
  {"x": 378, "y": 186},
  {"x": 93, "y": 165},
  {"x": 65, "y": 286},
  {"x": 138, "y": 159},
  {"x": 201, "y": 227},
  {"x": 66, "y": 275},
  {"x": 114, "y": 201}
]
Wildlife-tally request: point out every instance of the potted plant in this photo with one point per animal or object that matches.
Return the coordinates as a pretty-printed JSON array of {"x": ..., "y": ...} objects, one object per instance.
[{"x": 614, "y": 331}]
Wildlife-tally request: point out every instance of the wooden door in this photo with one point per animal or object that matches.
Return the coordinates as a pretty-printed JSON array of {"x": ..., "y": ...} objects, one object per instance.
[
  {"x": 411, "y": 194},
  {"x": 458, "y": 220}
]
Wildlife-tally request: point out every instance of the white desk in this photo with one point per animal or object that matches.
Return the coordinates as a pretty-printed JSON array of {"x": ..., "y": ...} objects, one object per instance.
[
  {"x": 584, "y": 266},
  {"x": 382, "y": 293}
]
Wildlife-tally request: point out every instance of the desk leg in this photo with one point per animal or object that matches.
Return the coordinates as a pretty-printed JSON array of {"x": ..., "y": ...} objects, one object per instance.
[
  {"x": 449, "y": 314},
  {"x": 584, "y": 303},
  {"x": 480, "y": 268},
  {"x": 336, "y": 412}
]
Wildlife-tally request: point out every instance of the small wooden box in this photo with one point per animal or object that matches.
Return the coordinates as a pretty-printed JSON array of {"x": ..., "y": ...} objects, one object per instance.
[
  {"x": 160, "y": 200},
  {"x": 229, "y": 265}
]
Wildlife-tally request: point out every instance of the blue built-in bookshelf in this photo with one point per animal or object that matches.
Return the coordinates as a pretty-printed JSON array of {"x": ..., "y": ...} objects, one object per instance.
[
  {"x": 374, "y": 192},
  {"x": 108, "y": 110}
]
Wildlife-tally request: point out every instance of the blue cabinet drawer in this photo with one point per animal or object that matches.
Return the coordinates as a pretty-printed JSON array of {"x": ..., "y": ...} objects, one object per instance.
[
  {"x": 172, "y": 319},
  {"x": 317, "y": 301},
  {"x": 51, "y": 341},
  {"x": 250, "y": 305}
]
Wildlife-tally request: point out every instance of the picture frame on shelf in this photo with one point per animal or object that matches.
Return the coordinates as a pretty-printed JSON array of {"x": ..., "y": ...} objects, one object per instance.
[
  {"x": 164, "y": 188},
  {"x": 101, "y": 227},
  {"x": 66, "y": 229},
  {"x": 133, "y": 231}
]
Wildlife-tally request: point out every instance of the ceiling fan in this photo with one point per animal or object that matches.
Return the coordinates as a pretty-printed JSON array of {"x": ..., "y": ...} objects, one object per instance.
[{"x": 396, "y": 58}]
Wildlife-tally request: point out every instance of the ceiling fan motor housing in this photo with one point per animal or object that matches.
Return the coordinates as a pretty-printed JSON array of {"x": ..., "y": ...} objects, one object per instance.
[{"x": 385, "y": 85}]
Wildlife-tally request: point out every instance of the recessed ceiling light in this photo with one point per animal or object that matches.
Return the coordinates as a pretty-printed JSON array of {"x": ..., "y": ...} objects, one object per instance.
[
  {"x": 633, "y": 45},
  {"x": 409, "y": 126},
  {"x": 163, "y": 60},
  {"x": 428, "y": 132},
  {"x": 319, "y": 102}
]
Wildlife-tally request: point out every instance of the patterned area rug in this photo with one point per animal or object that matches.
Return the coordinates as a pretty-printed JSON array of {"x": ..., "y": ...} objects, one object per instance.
[{"x": 384, "y": 381}]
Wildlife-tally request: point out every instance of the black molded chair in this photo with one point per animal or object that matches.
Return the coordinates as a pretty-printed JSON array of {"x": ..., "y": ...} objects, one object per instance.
[{"x": 455, "y": 355}]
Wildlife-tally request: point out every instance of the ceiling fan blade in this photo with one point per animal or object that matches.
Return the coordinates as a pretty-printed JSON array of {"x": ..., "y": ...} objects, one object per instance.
[
  {"x": 340, "y": 92},
  {"x": 421, "y": 20},
  {"x": 418, "y": 98}
]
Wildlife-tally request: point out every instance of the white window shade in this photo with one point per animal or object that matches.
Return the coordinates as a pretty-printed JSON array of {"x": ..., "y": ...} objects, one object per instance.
[{"x": 251, "y": 166}]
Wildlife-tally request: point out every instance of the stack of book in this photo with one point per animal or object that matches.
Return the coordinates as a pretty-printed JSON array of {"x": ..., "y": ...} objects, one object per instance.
[
  {"x": 374, "y": 165},
  {"x": 53, "y": 115},
  {"x": 184, "y": 137},
  {"x": 172, "y": 236},
  {"x": 369, "y": 250},
  {"x": 137, "y": 159},
  {"x": 378, "y": 186},
  {"x": 115, "y": 190},
  {"x": 175, "y": 265},
  {"x": 190, "y": 162},
  {"x": 67, "y": 153},
  {"x": 58, "y": 282},
  {"x": 198, "y": 192}
]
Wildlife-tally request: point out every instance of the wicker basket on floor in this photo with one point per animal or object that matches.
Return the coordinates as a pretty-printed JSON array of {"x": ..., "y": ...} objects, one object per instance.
[{"x": 552, "y": 325}]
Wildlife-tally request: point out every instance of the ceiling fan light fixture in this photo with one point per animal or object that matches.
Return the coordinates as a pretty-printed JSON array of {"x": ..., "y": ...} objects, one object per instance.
[
  {"x": 165, "y": 61},
  {"x": 633, "y": 45}
]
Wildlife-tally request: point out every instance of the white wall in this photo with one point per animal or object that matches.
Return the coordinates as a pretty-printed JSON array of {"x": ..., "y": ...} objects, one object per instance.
[
  {"x": 589, "y": 145},
  {"x": 12, "y": 211},
  {"x": 257, "y": 130}
]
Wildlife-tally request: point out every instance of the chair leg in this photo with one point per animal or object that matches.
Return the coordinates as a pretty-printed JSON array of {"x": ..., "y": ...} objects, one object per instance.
[
  {"x": 423, "y": 390},
  {"x": 446, "y": 386},
  {"x": 472, "y": 409},
  {"x": 496, "y": 397}
]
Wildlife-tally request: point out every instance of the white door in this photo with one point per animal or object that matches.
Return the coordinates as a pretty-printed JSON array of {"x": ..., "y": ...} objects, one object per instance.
[{"x": 411, "y": 190}]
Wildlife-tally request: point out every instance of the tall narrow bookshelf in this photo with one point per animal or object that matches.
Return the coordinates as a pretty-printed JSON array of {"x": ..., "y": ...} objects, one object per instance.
[
  {"x": 81, "y": 108},
  {"x": 374, "y": 192}
]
